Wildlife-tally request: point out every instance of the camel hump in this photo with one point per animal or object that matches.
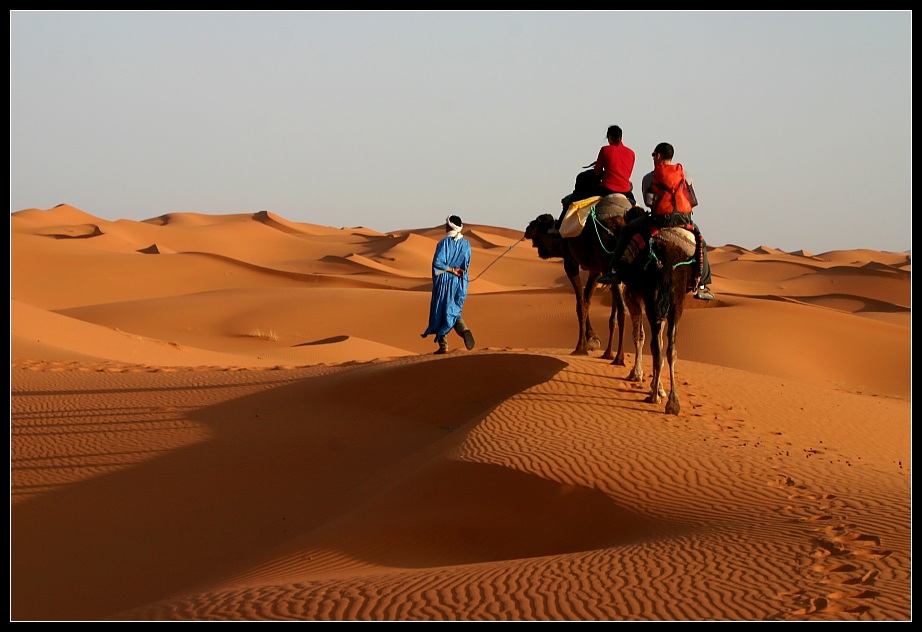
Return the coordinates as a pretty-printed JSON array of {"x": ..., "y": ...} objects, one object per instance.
[
  {"x": 681, "y": 237},
  {"x": 613, "y": 204}
]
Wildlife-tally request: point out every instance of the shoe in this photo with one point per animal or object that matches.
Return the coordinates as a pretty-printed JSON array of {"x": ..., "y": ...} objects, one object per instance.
[
  {"x": 609, "y": 278},
  {"x": 703, "y": 293},
  {"x": 440, "y": 351},
  {"x": 468, "y": 339}
]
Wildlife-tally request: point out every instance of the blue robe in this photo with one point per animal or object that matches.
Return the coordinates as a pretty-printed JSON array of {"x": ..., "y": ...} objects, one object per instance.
[{"x": 448, "y": 290}]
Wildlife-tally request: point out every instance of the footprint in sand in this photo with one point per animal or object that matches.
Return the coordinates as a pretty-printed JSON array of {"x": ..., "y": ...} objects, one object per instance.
[
  {"x": 827, "y": 548},
  {"x": 822, "y": 604},
  {"x": 858, "y": 539},
  {"x": 871, "y": 554},
  {"x": 816, "y": 518},
  {"x": 858, "y": 594},
  {"x": 835, "y": 543},
  {"x": 835, "y": 568},
  {"x": 867, "y": 578}
]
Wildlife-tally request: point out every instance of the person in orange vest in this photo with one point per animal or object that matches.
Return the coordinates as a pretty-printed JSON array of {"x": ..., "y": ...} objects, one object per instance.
[{"x": 669, "y": 194}]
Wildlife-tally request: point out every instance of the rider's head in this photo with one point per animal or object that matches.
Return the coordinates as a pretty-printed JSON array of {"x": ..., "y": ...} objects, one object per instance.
[
  {"x": 614, "y": 134},
  {"x": 665, "y": 151}
]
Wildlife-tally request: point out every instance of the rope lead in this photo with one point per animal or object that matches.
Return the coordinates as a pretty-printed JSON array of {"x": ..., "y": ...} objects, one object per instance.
[{"x": 497, "y": 259}]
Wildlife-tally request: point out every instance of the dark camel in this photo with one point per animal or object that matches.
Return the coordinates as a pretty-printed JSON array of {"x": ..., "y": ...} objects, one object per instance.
[
  {"x": 656, "y": 284},
  {"x": 590, "y": 251},
  {"x": 658, "y": 279}
]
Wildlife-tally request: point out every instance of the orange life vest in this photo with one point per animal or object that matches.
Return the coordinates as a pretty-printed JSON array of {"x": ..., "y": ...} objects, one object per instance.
[{"x": 670, "y": 191}]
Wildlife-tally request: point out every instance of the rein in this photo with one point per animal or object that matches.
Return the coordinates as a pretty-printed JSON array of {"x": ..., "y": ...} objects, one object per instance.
[
  {"x": 497, "y": 259},
  {"x": 596, "y": 222},
  {"x": 653, "y": 259}
]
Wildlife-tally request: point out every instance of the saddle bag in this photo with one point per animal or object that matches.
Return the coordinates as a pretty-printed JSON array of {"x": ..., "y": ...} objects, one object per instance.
[{"x": 576, "y": 217}]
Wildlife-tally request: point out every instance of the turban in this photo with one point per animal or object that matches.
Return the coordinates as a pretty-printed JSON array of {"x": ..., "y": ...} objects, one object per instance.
[{"x": 455, "y": 231}]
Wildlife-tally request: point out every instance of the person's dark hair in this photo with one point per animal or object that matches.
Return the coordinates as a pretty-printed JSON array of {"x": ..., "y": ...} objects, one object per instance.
[
  {"x": 665, "y": 150},
  {"x": 454, "y": 219},
  {"x": 614, "y": 133}
]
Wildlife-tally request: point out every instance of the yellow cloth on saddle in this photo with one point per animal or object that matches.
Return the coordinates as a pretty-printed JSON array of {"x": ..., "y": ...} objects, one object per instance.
[{"x": 577, "y": 216}]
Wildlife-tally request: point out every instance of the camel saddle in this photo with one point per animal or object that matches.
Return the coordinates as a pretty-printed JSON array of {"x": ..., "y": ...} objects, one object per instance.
[
  {"x": 681, "y": 237},
  {"x": 579, "y": 212},
  {"x": 613, "y": 204}
]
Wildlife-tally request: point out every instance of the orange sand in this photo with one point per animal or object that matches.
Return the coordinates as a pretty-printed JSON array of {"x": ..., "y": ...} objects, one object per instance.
[{"x": 235, "y": 418}]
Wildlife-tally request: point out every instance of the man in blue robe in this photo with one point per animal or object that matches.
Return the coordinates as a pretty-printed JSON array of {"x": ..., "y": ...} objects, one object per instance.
[{"x": 450, "y": 266}]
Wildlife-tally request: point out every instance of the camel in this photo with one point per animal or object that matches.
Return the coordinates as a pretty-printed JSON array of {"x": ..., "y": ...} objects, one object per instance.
[
  {"x": 658, "y": 279},
  {"x": 655, "y": 284},
  {"x": 590, "y": 251}
]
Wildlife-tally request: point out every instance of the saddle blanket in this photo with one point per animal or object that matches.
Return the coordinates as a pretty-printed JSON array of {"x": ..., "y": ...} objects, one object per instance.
[
  {"x": 684, "y": 239},
  {"x": 612, "y": 205},
  {"x": 580, "y": 211}
]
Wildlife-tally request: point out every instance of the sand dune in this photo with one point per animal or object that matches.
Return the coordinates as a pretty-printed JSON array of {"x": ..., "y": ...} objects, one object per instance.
[{"x": 234, "y": 417}]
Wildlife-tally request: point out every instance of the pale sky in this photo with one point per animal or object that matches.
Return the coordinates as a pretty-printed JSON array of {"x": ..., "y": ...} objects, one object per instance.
[{"x": 795, "y": 126}]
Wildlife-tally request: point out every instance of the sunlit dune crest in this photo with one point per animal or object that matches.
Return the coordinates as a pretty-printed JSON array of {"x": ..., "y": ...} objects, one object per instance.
[
  {"x": 897, "y": 259},
  {"x": 273, "y": 220},
  {"x": 249, "y": 426},
  {"x": 186, "y": 219},
  {"x": 488, "y": 239},
  {"x": 366, "y": 262},
  {"x": 407, "y": 254},
  {"x": 765, "y": 250},
  {"x": 361, "y": 230},
  {"x": 154, "y": 249},
  {"x": 406, "y": 242},
  {"x": 60, "y": 215},
  {"x": 732, "y": 248},
  {"x": 78, "y": 231}
]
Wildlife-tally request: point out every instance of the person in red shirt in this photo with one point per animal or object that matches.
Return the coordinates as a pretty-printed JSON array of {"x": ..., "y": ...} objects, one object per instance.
[
  {"x": 615, "y": 165},
  {"x": 610, "y": 173}
]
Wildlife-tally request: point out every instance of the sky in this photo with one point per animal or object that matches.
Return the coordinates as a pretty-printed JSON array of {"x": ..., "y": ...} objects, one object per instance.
[{"x": 795, "y": 126}]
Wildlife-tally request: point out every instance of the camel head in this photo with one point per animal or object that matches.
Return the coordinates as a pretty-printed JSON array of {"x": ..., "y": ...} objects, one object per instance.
[{"x": 550, "y": 246}]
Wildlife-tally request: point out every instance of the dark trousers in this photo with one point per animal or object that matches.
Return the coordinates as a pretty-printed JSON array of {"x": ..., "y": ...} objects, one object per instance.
[{"x": 460, "y": 327}]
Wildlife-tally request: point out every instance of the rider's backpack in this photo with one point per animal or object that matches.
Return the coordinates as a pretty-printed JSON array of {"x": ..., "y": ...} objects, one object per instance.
[{"x": 670, "y": 190}]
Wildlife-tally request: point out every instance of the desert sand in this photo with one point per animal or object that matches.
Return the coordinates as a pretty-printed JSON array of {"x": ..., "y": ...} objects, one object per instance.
[{"x": 234, "y": 417}]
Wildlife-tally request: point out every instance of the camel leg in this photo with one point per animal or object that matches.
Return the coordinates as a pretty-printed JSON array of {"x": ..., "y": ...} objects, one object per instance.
[
  {"x": 656, "y": 349},
  {"x": 592, "y": 340},
  {"x": 672, "y": 404},
  {"x": 636, "y": 311},
  {"x": 582, "y": 309},
  {"x": 617, "y": 312},
  {"x": 611, "y": 337},
  {"x": 660, "y": 389}
]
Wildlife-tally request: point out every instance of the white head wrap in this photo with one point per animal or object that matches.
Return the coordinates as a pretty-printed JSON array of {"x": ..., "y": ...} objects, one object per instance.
[{"x": 455, "y": 232}]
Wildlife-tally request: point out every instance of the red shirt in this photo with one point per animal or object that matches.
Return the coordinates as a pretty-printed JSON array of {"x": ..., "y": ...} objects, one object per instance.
[{"x": 615, "y": 165}]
